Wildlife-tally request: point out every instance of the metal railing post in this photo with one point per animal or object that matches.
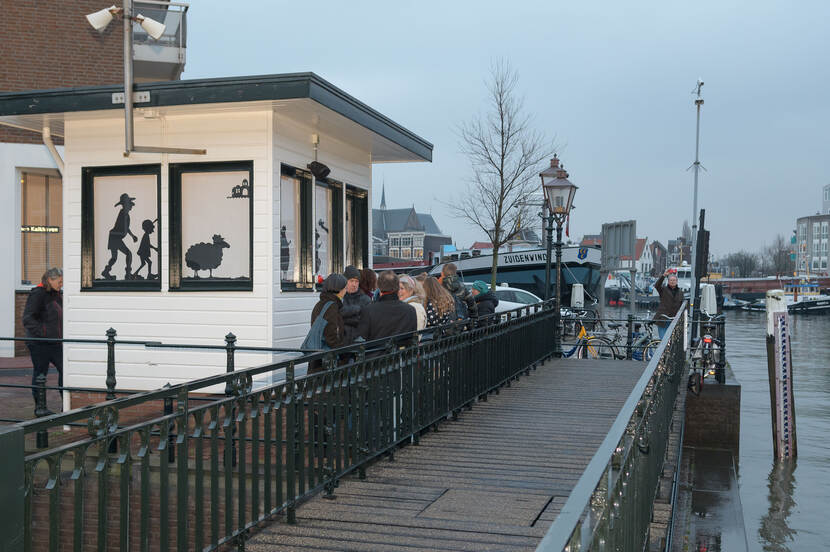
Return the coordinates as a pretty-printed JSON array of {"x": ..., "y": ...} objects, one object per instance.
[
  {"x": 13, "y": 489},
  {"x": 171, "y": 439},
  {"x": 230, "y": 348},
  {"x": 291, "y": 444},
  {"x": 111, "y": 333},
  {"x": 629, "y": 340},
  {"x": 41, "y": 410}
]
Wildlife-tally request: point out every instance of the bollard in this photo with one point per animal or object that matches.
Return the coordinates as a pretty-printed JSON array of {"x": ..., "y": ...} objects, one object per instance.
[
  {"x": 171, "y": 439},
  {"x": 629, "y": 340},
  {"x": 111, "y": 333},
  {"x": 42, "y": 437}
]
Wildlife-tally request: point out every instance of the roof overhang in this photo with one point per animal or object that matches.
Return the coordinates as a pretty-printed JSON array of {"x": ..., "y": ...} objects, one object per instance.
[{"x": 311, "y": 95}]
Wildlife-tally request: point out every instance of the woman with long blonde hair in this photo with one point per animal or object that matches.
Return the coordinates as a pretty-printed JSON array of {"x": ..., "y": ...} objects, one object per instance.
[
  {"x": 439, "y": 304},
  {"x": 407, "y": 293}
]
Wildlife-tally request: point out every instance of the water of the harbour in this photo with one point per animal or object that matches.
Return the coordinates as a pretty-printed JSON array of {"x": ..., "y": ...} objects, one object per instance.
[{"x": 784, "y": 505}]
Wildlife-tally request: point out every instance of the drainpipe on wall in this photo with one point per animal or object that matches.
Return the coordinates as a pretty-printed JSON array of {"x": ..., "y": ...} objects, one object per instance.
[{"x": 56, "y": 156}]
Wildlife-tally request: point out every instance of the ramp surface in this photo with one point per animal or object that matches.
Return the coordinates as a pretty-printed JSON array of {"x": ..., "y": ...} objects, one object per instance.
[{"x": 494, "y": 479}]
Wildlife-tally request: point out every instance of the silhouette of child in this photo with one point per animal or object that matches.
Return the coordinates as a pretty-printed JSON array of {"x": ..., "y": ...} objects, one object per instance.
[{"x": 144, "y": 249}]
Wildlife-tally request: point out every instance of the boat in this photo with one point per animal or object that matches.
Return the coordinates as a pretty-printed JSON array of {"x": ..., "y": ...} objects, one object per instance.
[
  {"x": 525, "y": 269},
  {"x": 802, "y": 297}
]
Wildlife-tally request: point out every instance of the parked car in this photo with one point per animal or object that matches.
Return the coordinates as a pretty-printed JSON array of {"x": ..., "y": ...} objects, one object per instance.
[{"x": 511, "y": 298}]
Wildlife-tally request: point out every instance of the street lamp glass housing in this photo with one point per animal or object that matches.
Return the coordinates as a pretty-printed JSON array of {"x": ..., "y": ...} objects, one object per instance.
[
  {"x": 560, "y": 195},
  {"x": 100, "y": 19}
]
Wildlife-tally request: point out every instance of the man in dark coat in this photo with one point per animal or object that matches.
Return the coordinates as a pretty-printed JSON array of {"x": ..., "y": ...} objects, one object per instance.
[
  {"x": 353, "y": 301},
  {"x": 334, "y": 334},
  {"x": 486, "y": 303},
  {"x": 671, "y": 298},
  {"x": 451, "y": 282},
  {"x": 43, "y": 317},
  {"x": 388, "y": 316}
]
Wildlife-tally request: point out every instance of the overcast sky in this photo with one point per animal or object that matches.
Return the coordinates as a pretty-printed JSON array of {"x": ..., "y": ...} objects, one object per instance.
[{"x": 611, "y": 81}]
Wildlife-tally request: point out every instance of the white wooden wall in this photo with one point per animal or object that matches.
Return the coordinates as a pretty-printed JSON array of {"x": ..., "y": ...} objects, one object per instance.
[
  {"x": 264, "y": 317},
  {"x": 293, "y": 146},
  {"x": 167, "y": 316}
]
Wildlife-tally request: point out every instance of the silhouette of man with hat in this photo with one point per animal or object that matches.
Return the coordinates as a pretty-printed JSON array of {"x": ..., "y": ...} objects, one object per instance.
[{"x": 119, "y": 231}]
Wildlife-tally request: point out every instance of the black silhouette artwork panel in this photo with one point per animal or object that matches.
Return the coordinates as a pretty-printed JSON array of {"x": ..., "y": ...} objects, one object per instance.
[
  {"x": 212, "y": 232},
  {"x": 118, "y": 204}
]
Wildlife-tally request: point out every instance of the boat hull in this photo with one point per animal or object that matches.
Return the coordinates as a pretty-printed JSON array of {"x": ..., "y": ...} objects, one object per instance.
[{"x": 526, "y": 270}]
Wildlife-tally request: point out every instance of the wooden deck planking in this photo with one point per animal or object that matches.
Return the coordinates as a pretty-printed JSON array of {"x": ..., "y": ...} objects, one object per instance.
[{"x": 494, "y": 479}]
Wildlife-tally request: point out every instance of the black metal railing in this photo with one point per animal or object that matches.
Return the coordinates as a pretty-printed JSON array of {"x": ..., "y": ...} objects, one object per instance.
[
  {"x": 165, "y": 470},
  {"x": 610, "y": 506}
]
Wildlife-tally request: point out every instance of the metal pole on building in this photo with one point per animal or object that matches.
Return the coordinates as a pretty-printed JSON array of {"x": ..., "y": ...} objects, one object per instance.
[
  {"x": 129, "y": 141},
  {"x": 696, "y": 167}
]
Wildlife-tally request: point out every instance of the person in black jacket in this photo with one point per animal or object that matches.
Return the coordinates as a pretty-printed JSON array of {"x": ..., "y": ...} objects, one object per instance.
[
  {"x": 334, "y": 334},
  {"x": 449, "y": 279},
  {"x": 43, "y": 317},
  {"x": 671, "y": 299},
  {"x": 353, "y": 301},
  {"x": 388, "y": 316},
  {"x": 486, "y": 303}
]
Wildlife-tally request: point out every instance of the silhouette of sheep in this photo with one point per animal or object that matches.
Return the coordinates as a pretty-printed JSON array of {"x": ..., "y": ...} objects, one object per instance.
[{"x": 205, "y": 256}]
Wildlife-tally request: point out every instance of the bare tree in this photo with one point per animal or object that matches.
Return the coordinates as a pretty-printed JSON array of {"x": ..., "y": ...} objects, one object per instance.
[
  {"x": 777, "y": 256},
  {"x": 504, "y": 153},
  {"x": 743, "y": 263}
]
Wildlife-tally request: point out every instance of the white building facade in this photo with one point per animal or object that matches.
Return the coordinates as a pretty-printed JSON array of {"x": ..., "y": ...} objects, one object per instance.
[{"x": 233, "y": 241}]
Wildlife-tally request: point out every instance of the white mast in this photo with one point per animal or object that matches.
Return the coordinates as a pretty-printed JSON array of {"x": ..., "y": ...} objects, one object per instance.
[{"x": 696, "y": 167}]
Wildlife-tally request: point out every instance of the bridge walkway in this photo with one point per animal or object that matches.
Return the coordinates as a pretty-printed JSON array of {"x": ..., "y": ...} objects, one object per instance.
[{"x": 494, "y": 479}]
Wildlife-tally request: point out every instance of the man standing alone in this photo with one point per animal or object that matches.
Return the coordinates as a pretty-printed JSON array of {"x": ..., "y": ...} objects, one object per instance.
[{"x": 671, "y": 298}]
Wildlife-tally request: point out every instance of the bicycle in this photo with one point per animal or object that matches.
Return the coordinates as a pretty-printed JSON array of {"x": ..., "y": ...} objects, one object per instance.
[
  {"x": 643, "y": 343},
  {"x": 706, "y": 358},
  {"x": 573, "y": 319},
  {"x": 590, "y": 346}
]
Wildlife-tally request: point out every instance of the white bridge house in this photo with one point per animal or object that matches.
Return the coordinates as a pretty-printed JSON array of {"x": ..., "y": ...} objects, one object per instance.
[{"x": 229, "y": 241}]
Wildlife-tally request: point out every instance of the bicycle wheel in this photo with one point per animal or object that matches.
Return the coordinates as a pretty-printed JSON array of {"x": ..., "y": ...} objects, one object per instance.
[
  {"x": 597, "y": 348},
  {"x": 649, "y": 349}
]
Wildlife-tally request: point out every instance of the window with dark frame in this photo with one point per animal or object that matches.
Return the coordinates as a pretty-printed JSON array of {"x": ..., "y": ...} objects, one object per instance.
[
  {"x": 312, "y": 236},
  {"x": 211, "y": 226},
  {"x": 120, "y": 225}
]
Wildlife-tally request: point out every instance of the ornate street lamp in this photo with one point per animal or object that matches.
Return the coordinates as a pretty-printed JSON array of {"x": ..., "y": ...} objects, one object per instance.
[{"x": 559, "y": 195}]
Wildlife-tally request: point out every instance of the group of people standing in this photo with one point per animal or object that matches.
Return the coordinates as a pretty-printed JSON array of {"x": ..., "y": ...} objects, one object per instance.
[{"x": 362, "y": 305}]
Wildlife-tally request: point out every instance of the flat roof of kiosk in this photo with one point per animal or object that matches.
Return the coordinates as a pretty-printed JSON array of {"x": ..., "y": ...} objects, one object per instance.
[{"x": 302, "y": 96}]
